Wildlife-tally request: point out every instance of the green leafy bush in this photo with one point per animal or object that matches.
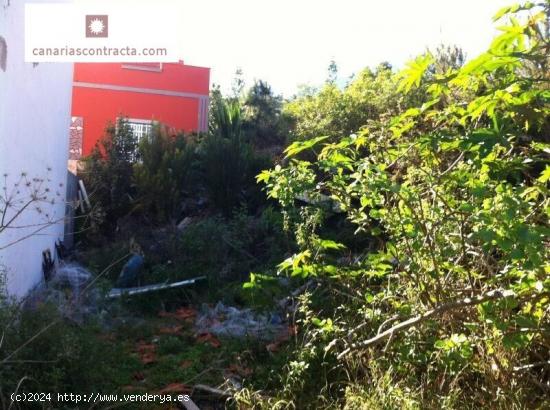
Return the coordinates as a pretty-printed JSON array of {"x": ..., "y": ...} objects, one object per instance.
[
  {"x": 164, "y": 174},
  {"x": 228, "y": 162},
  {"x": 264, "y": 123},
  {"x": 228, "y": 249},
  {"x": 108, "y": 174},
  {"x": 331, "y": 111},
  {"x": 454, "y": 298}
]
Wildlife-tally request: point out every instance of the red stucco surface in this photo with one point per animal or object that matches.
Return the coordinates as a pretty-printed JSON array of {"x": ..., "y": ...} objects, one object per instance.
[{"x": 99, "y": 106}]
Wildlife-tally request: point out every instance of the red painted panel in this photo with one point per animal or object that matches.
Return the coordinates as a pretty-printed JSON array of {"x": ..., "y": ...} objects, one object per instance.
[
  {"x": 98, "y": 107},
  {"x": 174, "y": 76}
]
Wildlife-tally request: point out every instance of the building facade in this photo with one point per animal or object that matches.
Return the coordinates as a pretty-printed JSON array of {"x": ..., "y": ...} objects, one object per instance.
[
  {"x": 35, "y": 101},
  {"x": 174, "y": 94}
]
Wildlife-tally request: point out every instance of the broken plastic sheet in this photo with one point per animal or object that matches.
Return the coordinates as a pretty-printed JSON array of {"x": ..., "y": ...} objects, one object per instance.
[{"x": 224, "y": 320}]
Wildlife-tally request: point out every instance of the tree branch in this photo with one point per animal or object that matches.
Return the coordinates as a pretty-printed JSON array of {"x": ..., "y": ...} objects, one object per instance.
[{"x": 438, "y": 310}]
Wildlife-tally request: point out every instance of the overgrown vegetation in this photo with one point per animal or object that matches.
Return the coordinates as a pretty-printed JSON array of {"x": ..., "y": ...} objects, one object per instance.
[
  {"x": 164, "y": 175},
  {"x": 160, "y": 177},
  {"x": 452, "y": 305},
  {"x": 403, "y": 231}
]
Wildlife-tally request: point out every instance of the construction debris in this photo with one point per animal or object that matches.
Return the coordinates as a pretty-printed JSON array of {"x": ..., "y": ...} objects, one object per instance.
[
  {"x": 230, "y": 321},
  {"x": 118, "y": 292}
]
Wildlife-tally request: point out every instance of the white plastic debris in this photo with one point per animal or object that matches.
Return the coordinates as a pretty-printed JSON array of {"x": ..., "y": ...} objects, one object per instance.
[
  {"x": 230, "y": 321},
  {"x": 72, "y": 275}
]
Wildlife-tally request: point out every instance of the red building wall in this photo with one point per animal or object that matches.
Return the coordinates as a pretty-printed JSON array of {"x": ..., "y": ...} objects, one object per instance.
[{"x": 174, "y": 94}]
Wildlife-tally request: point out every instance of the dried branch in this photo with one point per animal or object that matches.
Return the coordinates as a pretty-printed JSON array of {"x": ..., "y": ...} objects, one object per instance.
[{"x": 438, "y": 310}]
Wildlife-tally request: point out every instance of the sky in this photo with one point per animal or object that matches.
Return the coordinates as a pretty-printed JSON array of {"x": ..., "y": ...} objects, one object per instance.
[{"x": 291, "y": 43}]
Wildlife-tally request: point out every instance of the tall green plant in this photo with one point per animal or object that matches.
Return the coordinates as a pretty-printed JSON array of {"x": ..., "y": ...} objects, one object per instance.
[
  {"x": 264, "y": 123},
  {"x": 226, "y": 158},
  {"x": 163, "y": 175},
  {"x": 456, "y": 291},
  {"x": 108, "y": 172},
  {"x": 333, "y": 111}
]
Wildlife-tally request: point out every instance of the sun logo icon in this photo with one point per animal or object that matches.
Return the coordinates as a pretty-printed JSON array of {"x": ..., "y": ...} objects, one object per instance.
[{"x": 97, "y": 25}]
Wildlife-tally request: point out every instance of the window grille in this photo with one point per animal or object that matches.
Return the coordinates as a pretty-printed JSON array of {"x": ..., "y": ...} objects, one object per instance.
[{"x": 140, "y": 129}]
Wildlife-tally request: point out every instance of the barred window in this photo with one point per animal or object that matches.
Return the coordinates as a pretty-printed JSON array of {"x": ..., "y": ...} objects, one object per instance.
[{"x": 140, "y": 128}]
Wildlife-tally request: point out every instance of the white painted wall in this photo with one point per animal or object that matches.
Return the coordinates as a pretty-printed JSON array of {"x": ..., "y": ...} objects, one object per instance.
[{"x": 35, "y": 103}]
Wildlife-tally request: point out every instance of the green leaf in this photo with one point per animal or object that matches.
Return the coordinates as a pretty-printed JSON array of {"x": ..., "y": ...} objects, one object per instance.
[
  {"x": 328, "y": 244},
  {"x": 515, "y": 341},
  {"x": 299, "y": 146},
  {"x": 512, "y": 9},
  {"x": 414, "y": 71},
  {"x": 263, "y": 176},
  {"x": 545, "y": 176}
]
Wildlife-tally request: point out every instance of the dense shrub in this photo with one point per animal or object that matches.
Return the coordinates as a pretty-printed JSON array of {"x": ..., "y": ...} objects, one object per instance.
[
  {"x": 164, "y": 175},
  {"x": 370, "y": 95},
  {"x": 265, "y": 125},
  {"x": 332, "y": 111},
  {"x": 228, "y": 249},
  {"x": 156, "y": 178},
  {"x": 108, "y": 174},
  {"x": 228, "y": 162},
  {"x": 451, "y": 305}
]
